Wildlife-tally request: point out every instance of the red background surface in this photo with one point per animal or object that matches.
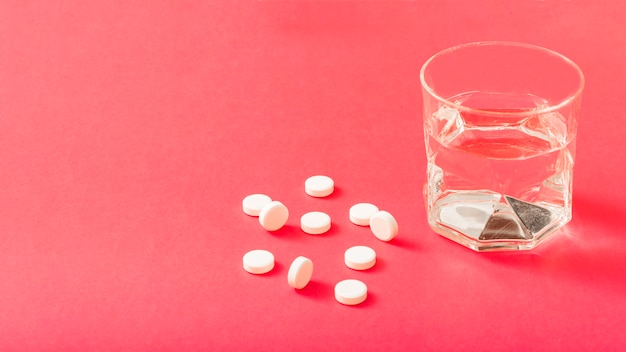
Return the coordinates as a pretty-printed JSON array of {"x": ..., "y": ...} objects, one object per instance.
[{"x": 130, "y": 131}]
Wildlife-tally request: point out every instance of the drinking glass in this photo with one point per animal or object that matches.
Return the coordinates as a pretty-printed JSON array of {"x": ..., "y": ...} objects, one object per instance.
[{"x": 500, "y": 124}]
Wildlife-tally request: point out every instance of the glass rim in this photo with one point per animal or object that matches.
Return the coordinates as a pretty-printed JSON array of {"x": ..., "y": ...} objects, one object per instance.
[{"x": 543, "y": 110}]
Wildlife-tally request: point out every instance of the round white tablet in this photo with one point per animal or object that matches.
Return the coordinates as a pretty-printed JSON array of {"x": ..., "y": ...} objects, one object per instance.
[
  {"x": 315, "y": 223},
  {"x": 319, "y": 186},
  {"x": 360, "y": 257},
  {"x": 384, "y": 226},
  {"x": 258, "y": 261},
  {"x": 300, "y": 272},
  {"x": 273, "y": 216},
  {"x": 361, "y": 213},
  {"x": 350, "y": 292},
  {"x": 253, "y": 203}
]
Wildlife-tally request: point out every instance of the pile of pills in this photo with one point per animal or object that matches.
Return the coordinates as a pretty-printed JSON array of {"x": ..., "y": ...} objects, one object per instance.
[{"x": 273, "y": 215}]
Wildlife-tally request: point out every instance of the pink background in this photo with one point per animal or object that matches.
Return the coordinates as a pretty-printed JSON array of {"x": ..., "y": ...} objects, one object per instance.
[{"x": 130, "y": 132}]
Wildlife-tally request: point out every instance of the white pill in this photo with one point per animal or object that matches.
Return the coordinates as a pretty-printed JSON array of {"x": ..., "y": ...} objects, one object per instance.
[
  {"x": 253, "y": 203},
  {"x": 315, "y": 223},
  {"x": 300, "y": 272},
  {"x": 273, "y": 216},
  {"x": 360, "y": 257},
  {"x": 258, "y": 261},
  {"x": 319, "y": 186},
  {"x": 361, "y": 213},
  {"x": 350, "y": 292},
  {"x": 384, "y": 226}
]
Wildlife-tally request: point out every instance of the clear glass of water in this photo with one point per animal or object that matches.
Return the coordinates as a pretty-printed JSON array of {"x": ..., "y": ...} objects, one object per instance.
[{"x": 500, "y": 124}]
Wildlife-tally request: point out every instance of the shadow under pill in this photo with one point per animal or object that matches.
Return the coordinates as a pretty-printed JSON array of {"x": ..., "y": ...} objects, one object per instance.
[
  {"x": 369, "y": 301},
  {"x": 337, "y": 192},
  {"x": 276, "y": 271},
  {"x": 334, "y": 230},
  {"x": 403, "y": 243},
  {"x": 380, "y": 265},
  {"x": 317, "y": 290},
  {"x": 287, "y": 231}
]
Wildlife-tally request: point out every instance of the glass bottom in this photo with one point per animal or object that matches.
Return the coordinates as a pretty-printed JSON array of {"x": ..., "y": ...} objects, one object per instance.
[{"x": 492, "y": 222}]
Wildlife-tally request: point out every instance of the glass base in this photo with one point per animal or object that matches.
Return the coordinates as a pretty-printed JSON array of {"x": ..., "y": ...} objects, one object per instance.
[
  {"x": 492, "y": 245},
  {"x": 490, "y": 222}
]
